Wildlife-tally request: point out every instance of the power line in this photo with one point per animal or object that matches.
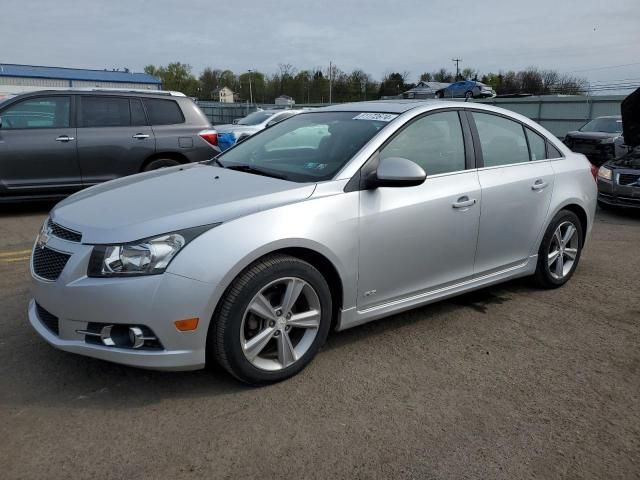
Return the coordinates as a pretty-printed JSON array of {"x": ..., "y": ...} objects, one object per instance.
[{"x": 604, "y": 68}]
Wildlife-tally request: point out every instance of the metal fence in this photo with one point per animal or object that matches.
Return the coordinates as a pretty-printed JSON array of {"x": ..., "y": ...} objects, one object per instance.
[
  {"x": 561, "y": 114},
  {"x": 558, "y": 114}
]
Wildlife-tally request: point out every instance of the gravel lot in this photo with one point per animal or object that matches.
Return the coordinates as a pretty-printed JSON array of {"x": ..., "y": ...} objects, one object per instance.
[{"x": 508, "y": 382}]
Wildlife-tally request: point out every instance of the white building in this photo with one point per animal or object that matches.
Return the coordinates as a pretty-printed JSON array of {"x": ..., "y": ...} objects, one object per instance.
[{"x": 223, "y": 95}]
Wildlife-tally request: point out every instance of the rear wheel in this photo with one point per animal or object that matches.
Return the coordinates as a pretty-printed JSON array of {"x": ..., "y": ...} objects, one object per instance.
[
  {"x": 439, "y": 94},
  {"x": 272, "y": 320},
  {"x": 560, "y": 250},
  {"x": 160, "y": 163}
]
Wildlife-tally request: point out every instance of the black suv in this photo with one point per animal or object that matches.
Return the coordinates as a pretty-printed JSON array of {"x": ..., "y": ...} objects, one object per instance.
[{"x": 54, "y": 142}]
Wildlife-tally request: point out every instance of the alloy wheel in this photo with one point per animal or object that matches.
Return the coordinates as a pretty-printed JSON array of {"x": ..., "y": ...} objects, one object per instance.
[
  {"x": 563, "y": 250},
  {"x": 280, "y": 323}
]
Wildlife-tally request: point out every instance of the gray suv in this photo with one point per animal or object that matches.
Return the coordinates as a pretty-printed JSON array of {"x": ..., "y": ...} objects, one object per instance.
[{"x": 54, "y": 142}]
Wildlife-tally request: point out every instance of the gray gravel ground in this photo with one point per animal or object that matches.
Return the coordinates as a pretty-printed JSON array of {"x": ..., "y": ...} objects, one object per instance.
[{"x": 508, "y": 382}]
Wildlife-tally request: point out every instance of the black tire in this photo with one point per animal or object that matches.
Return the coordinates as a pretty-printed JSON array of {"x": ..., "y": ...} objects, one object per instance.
[
  {"x": 223, "y": 340},
  {"x": 160, "y": 163},
  {"x": 543, "y": 276},
  {"x": 468, "y": 94},
  {"x": 439, "y": 94}
]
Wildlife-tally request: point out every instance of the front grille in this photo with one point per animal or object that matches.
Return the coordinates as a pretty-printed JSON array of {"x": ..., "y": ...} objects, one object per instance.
[
  {"x": 49, "y": 320},
  {"x": 64, "y": 233},
  {"x": 47, "y": 263},
  {"x": 628, "y": 178}
]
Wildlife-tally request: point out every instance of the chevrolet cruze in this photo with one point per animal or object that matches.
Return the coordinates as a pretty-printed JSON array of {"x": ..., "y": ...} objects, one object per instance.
[{"x": 322, "y": 222}]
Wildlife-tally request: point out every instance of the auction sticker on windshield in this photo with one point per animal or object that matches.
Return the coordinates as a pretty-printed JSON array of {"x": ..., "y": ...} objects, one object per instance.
[{"x": 380, "y": 117}]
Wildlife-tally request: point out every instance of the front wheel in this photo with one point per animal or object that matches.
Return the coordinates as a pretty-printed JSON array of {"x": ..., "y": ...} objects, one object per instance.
[
  {"x": 272, "y": 320},
  {"x": 468, "y": 95},
  {"x": 560, "y": 250}
]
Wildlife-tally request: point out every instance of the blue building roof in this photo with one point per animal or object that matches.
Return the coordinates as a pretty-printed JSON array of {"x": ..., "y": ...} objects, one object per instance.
[{"x": 12, "y": 70}]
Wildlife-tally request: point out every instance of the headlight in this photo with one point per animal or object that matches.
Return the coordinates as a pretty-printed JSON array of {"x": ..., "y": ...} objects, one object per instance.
[
  {"x": 145, "y": 257},
  {"x": 605, "y": 173}
]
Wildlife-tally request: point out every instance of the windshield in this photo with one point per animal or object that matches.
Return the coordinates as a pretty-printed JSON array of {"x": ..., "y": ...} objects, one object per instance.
[
  {"x": 309, "y": 147},
  {"x": 255, "y": 118},
  {"x": 602, "y": 124}
]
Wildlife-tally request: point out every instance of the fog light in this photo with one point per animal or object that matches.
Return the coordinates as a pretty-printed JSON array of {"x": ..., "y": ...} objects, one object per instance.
[{"x": 187, "y": 324}]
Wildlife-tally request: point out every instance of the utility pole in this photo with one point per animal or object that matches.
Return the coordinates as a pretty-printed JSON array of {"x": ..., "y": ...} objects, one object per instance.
[
  {"x": 457, "y": 61},
  {"x": 330, "y": 75},
  {"x": 250, "y": 90}
]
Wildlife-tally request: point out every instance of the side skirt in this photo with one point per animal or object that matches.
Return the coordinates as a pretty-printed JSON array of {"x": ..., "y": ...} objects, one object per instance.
[{"x": 352, "y": 317}]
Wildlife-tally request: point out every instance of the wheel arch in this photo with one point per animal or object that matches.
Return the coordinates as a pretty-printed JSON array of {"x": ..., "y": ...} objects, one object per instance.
[{"x": 158, "y": 155}]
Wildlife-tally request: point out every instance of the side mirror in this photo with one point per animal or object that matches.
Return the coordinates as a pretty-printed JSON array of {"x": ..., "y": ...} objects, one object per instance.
[{"x": 397, "y": 172}]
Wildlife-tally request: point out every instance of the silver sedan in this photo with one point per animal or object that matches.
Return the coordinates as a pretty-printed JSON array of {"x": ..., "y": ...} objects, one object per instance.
[{"x": 331, "y": 219}]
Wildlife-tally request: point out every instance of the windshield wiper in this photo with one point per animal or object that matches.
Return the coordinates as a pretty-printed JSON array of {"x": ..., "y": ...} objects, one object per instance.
[
  {"x": 215, "y": 161},
  {"x": 257, "y": 171}
]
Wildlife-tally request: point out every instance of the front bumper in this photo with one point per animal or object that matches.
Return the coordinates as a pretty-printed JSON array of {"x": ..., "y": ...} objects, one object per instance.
[
  {"x": 614, "y": 194},
  {"x": 154, "y": 301}
]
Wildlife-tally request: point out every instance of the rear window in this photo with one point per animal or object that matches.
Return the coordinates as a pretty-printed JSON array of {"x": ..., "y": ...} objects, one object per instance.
[
  {"x": 105, "y": 112},
  {"x": 163, "y": 112}
]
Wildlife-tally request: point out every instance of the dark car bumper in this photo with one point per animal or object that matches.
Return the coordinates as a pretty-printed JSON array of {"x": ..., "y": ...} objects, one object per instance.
[{"x": 616, "y": 194}]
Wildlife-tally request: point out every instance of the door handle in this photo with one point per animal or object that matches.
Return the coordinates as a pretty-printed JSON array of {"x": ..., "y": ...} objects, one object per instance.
[
  {"x": 140, "y": 136},
  {"x": 64, "y": 138},
  {"x": 464, "y": 202},
  {"x": 539, "y": 185}
]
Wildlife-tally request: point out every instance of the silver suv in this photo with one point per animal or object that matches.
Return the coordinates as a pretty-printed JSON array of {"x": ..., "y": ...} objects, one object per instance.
[
  {"x": 327, "y": 220},
  {"x": 54, "y": 142}
]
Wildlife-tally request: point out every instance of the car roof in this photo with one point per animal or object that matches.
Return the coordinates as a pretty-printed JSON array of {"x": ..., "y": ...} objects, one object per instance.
[
  {"x": 103, "y": 91},
  {"x": 385, "y": 106}
]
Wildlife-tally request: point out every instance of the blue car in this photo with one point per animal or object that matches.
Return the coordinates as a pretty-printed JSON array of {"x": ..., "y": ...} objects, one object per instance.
[{"x": 466, "y": 89}]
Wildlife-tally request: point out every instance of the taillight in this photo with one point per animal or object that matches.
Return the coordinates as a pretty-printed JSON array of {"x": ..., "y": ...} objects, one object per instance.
[
  {"x": 594, "y": 171},
  {"x": 210, "y": 136}
]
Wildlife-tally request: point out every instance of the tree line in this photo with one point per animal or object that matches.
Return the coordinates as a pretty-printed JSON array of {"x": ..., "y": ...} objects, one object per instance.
[{"x": 318, "y": 85}]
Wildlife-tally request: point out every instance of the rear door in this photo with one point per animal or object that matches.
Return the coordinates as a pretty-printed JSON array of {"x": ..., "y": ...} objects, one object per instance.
[
  {"x": 114, "y": 138},
  {"x": 517, "y": 183},
  {"x": 38, "y": 146}
]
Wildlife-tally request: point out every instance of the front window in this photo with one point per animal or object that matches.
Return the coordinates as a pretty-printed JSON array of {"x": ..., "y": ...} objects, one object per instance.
[
  {"x": 255, "y": 118},
  {"x": 308, "y": 147},
  {"x": 605, "y": 125},
  {"x": 38, "y": 112}
]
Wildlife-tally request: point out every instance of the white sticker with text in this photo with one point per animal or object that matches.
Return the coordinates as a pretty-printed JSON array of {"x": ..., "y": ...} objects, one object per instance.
[{"x": 380, "y": 117}]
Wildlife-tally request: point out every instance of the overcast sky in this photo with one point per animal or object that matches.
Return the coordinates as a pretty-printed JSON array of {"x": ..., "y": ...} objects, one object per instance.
[{"x": 589, "y": 37}]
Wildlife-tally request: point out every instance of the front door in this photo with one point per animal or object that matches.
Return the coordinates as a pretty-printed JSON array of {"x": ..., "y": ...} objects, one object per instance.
[
  {"x": 417, "y": 239},
  {"x": 517, "y": 182},
  {"x": 114, "y": 138},
  {"x": 38, "y": 147}
]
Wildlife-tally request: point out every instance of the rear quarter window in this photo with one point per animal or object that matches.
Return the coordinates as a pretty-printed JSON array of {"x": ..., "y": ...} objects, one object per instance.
[{"x": 163, "y": 112}]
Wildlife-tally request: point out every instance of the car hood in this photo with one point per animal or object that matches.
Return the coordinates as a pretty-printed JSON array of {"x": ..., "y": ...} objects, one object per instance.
[
  {"x": 629, "y": 161},
  {"x": 237, "y": 129},
  {"x": 171, "y": 199},
  {"x": 577, "y": 135}
]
